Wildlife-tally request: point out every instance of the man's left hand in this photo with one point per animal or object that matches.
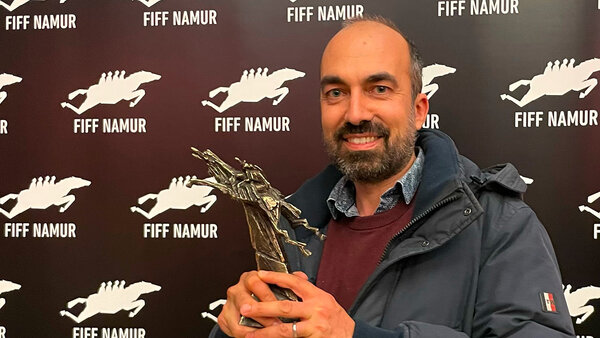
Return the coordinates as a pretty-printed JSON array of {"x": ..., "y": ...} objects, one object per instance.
[{"x": 319, "y": 314}]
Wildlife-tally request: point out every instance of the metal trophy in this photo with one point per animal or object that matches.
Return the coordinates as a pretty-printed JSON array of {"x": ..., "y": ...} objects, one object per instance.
[{"x": 263, "y": 205}]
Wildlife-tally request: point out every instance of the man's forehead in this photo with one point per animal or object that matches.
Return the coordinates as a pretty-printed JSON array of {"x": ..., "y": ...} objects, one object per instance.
[
  {"x": 363, "y": 50},
  {"x": 365, "y": 35}
]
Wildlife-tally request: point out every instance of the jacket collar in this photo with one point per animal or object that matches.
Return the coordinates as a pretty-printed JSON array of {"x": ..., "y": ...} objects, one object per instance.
[
  {"x": 441, "y": 175},
  {"x": 445, "y": 173},
  {"x": 442, "y": 172}
]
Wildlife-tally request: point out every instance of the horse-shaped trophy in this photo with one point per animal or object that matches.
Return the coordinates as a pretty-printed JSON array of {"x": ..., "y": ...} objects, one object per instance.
[{"x": 263, "y": 205}]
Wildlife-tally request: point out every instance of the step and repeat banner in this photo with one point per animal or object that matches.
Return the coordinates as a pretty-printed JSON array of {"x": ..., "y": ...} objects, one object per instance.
[{"x": 100, "y": 102}]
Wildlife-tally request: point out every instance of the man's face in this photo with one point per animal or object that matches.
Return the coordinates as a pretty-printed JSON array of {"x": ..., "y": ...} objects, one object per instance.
[{"x": 368, "y": 116}]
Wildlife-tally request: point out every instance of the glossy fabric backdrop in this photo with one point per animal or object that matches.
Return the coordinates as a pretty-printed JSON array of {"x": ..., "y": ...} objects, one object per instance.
[{"x": 79, "y": 233}]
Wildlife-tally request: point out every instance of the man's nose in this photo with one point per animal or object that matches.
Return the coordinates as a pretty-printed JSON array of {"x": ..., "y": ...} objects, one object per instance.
[{"x": 358, "y": 109}]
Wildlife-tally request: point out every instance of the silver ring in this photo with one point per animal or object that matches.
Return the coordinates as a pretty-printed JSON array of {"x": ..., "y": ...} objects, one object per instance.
[{"x": 294, "y": 332}]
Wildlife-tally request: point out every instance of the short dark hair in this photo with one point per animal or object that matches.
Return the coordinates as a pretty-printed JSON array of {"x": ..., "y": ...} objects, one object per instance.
[{"x": 416, "y": 63}]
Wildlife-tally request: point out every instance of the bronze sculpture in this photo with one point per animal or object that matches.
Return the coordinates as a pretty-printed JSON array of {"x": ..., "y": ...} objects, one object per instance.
[{"x": 263, "y": 205}]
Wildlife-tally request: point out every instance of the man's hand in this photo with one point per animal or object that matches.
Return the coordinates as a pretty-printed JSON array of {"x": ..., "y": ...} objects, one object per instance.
[
  {"x": 319, "y": 314},
  {"x": 239, "y": 295}
]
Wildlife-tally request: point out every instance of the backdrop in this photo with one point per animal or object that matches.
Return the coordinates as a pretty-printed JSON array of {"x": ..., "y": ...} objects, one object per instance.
[{"x": 101, "y": 100}]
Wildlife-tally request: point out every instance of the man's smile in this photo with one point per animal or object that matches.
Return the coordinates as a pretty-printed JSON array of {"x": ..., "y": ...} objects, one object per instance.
[{"x": 361, "y": 141}]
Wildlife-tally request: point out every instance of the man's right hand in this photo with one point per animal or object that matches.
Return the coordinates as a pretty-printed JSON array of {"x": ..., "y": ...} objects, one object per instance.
[{"x": 241, "y": 294}]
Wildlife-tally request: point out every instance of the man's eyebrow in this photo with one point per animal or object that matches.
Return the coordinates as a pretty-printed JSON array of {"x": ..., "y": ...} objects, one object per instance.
[
  {"x": 331, "y": 79},
  {"x": 383, "y": 76}
]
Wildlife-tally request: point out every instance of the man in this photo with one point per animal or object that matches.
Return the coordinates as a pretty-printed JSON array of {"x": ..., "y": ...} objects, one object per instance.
[{"x": 421, "y": 242}]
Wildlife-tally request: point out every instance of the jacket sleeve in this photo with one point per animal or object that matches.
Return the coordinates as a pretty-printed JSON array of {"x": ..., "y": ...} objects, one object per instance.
[{"x": 518, "y": 265}]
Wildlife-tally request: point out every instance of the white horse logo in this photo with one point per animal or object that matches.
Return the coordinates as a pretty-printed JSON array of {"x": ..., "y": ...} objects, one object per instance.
[
  {"x": 112, "y": 298},
  {"x": 254, "y": 86},
  {"x": 557, "y": 79},
  {"x": 431, "y": 72},
  {"x": 112, "y": 88},
  {"x": 43, "y": 193},
  {"x": 178, "y": 196}
]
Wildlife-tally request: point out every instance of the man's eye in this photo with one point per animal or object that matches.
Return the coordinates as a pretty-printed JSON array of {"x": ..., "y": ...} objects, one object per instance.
[
  {"x": 334, "y": 93},
  {"x": 381, "y": 89}
]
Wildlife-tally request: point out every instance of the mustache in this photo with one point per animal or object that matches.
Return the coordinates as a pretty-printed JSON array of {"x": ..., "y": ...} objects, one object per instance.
[{"x": 363, "y": 127}]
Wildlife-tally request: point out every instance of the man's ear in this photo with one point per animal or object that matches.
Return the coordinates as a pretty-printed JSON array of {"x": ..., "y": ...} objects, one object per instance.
[{"x": 421, "y": 110}]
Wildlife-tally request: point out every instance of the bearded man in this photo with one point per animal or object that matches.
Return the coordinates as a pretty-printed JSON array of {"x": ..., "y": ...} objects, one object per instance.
[{"x": 420, "y": 241}]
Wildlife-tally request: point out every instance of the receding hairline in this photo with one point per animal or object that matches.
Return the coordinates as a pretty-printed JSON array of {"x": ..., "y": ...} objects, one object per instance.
[
  {"x": 375, "y": 19},
  {"x": 358, "y": 26},
  {"x": 416, "y": 62}
]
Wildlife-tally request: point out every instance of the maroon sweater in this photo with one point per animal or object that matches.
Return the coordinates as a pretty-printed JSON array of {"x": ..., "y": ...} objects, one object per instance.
[{"x": 353, "y": 248}]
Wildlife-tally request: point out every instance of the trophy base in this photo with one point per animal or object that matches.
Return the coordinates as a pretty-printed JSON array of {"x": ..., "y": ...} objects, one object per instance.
[{"x": 280, "y": 294}]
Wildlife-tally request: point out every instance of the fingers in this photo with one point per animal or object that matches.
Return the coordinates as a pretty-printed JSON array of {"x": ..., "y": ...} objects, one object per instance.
[
  {"x": 284, "y": 309},
  {"x": 281, "y": 330},
  {"x": 300, "y": 274},
  {"x": 230, "y": 327},
  {"x": 239, "y": 295},
  {"x": 229, "y": 320},
  {"x": 319, "y": 314},
  {"x": 260, "y": 290},
  {"x": 256, "y": 286},
  {"x": 296, "y": 282}
]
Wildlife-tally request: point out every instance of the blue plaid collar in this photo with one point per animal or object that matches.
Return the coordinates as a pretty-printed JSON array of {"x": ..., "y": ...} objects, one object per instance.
[{"x": 341, "y": 200}]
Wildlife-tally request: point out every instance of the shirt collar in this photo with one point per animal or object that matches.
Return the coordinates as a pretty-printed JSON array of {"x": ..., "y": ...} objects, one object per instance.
[{"x": 341, "y": 200}]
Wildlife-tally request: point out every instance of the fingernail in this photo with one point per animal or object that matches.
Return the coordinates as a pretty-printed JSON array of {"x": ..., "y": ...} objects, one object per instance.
[
  {"x": 262, "y": 273},
  {"x": 245, "y": 309}
]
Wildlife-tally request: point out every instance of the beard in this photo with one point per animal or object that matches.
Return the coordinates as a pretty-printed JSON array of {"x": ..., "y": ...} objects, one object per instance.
[{"x": 372, "y": 166}]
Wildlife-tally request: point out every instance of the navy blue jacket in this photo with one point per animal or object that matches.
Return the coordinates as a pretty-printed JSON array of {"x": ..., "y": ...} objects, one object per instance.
[{"x": 473, "y": 263}]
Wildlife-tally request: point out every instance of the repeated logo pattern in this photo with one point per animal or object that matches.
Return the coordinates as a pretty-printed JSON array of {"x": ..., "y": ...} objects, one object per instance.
[
  {"x": 559, "y": 78},
  {"x": 43, "y": 193},
  {"x": 112, "y": 298},
  {"x": 254, "y": 86}
]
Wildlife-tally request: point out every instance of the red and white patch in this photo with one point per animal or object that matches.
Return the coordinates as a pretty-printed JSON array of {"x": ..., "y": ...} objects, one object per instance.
[{"x": 548, "y": 302}]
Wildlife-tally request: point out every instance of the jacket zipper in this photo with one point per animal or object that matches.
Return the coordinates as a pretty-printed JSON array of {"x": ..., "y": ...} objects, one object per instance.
[
  {"x": 387, "y": 247},
  {"x": 415, "y": 220}
]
